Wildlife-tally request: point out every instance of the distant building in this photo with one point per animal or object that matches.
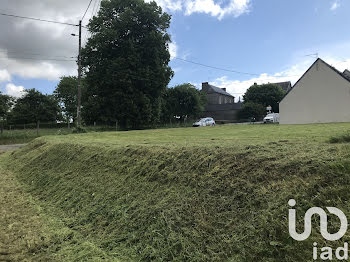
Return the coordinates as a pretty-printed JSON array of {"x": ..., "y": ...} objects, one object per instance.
[
  {"x": 286, "y": 86},
  {"x": 321, "y": 95},
  {"x": 221, "y": 105}
]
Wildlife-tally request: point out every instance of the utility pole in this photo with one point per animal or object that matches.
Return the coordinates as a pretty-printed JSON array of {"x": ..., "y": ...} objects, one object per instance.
[{"x": 79, "y": 81}]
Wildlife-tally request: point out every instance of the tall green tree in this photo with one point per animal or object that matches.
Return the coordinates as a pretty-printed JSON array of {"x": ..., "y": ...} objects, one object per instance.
[
  {"x": 183, "y": 101},
  {"x": 267, "y": 94},
  {"x": 126, "y": 63},
  {"x": 251, "y": 110},
  {"x": 35, "y": 107},
  {"x": 6, "y": 103},
  {"x": 66, "y": 94}
]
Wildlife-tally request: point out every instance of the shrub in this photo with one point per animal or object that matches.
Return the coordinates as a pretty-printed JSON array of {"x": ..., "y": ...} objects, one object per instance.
[
  {"x": 77, "y": 130},
  {"x": 345, "y": 138}
]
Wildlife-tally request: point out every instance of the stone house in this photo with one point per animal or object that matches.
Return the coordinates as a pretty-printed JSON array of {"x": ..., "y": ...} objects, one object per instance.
[{"x": 221, "y": 105}]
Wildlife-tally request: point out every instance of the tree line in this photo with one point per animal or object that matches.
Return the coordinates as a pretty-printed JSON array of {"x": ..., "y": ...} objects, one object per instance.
[{"x": 176, "y": 105}]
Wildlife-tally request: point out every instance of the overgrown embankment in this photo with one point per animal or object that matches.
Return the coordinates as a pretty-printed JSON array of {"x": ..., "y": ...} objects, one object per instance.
[{"x": 187, "y": 203}]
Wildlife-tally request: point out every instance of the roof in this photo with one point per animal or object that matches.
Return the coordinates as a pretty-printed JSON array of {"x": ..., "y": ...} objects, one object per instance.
[
  {"x": 286, "y": 86},
  {"x": 345, "y": 74},
  {"x": 219, "y": 90}
]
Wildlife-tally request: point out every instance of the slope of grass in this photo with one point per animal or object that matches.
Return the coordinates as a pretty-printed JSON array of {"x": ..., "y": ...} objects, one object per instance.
[
  {"x": 28, "y": 233},
  {"x": 205, "y": 194}
]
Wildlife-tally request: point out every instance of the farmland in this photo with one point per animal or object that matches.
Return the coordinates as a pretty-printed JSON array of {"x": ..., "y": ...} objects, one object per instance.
[{"x": 186, "y": 194}]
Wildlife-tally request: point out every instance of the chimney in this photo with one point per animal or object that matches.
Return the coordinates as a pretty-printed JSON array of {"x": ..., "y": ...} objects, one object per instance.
[
  {"x": 224, "y": 89},
  {"x": 205, "y": 86}
]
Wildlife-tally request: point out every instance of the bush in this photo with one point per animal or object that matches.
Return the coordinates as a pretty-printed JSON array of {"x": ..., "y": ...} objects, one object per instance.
[
  {"x": 252, "y": 110},
  {"x": 340, "y": 139},
  {"x": 77, "y": 130}
]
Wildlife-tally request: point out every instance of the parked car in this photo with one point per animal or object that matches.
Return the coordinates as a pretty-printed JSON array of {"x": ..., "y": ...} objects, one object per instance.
[
  {"x": 208, "y": 121},
  {"x": 272, "y": 118}
]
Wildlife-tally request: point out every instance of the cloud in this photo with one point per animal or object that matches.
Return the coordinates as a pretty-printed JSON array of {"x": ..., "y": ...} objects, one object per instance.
[
  {"x": 335, "y": 5},
  {"x": 13, "y": 90},
  {"x": 214, "y": 8},
  {"x": 234, "y": 7},
  {"x": 5, "y": 76},
  {"x": 171, "y": 5},
  {"x": 293, "y": 73},
  {"x": 173, "y": 50},
  {"x": 33, "y": 49}
]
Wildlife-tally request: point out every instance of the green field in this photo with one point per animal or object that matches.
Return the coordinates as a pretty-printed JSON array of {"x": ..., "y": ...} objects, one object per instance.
[
  {"x": 21, "y": 136},
  {"x": 186, "y": 194}
]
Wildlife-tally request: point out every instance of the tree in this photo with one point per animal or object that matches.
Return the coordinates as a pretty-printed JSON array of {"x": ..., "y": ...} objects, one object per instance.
[
  {"x": 266, "y": 95},
  {"x": 126, "y": 63},
  {"x": 184, "y": 101},
  {"x": 66, "y": 94},
  {"x": 34, "y": 107},
  {"x": 252, "y": 110},
  {"x": 6, "y": 103}
]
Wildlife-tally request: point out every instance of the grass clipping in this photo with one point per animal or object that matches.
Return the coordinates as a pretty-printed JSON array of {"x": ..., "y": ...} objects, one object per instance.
[{"x": 186, "y": 203}]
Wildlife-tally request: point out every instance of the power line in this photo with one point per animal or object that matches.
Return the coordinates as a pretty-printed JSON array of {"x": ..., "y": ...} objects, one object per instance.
[
  {"x": 33, "y": 54},
  {"x": 38, "y": 58},
  {"x": 93, "y": 13},
  {"x": 218, "y": 68},
  {"x": 37, "y": 19},
  {"x": 86, "y": 10},
  {"x": 229, "y": 70}
]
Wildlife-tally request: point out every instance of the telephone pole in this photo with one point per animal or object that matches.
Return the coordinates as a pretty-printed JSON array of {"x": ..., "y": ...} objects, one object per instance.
[{"x": 79, "y": 81}]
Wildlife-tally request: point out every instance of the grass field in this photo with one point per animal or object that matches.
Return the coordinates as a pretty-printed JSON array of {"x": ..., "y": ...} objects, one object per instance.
[
  {"x": 21, "y": 136},
  {"x": 186, "y": 194}
]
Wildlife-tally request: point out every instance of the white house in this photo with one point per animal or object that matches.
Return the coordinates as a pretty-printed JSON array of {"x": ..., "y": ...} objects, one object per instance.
[{"x": 321, "y": 95}]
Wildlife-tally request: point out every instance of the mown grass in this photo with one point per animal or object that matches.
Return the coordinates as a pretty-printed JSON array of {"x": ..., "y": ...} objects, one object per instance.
[
  {"x": 192, "y": 194},
  {"x": 29, "y": 233}
]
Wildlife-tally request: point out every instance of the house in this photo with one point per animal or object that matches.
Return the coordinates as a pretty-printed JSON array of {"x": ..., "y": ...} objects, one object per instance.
[
  {"x": 321, "y": 95},
  {"x": 221, "y": 105}
]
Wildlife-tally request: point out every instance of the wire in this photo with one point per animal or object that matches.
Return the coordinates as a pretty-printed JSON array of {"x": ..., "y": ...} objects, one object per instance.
[
  {"x": 229, "y": 70},
  {"x": 93, "y": 13},
  {"x": 86, "y": 10},
  {"x": 33, "y": 54},
  {"x": 37, "y": 19},
  {"x": 33, "y": 58},
  {"x": 218, "y": 68}
]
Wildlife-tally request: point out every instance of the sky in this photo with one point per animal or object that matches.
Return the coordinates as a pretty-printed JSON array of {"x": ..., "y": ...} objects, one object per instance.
[{"x": 228, "y": 43}]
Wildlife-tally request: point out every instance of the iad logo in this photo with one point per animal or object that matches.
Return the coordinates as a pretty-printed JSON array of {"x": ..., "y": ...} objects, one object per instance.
[
  {"x": 323, "y": 222},
  {"x": 326, "y": 253}
]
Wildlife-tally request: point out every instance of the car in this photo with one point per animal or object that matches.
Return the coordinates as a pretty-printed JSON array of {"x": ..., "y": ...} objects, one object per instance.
[
  {"x": 272, "y": 118},
  {"x": 207, "y": 121}
]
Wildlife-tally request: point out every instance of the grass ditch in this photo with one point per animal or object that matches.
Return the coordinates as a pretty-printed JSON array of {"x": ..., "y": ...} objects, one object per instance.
[
  {"x": 30, "y": 233},
  {"x": 187, "y": 203},
  {"x": 344, "y": 138}
]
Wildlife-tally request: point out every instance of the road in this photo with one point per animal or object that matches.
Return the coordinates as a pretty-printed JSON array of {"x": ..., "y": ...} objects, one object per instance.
[{"x": 4, "y": 148}]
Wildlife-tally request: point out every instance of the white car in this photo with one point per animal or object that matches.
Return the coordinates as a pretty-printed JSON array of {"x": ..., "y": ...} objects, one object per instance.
[
  {"x": 208, "y": 121},
  {"x": 272, "y": 118}
]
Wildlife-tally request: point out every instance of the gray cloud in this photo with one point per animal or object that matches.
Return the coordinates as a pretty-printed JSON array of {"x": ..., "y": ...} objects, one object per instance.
[{"x": 26, "y": 45}]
